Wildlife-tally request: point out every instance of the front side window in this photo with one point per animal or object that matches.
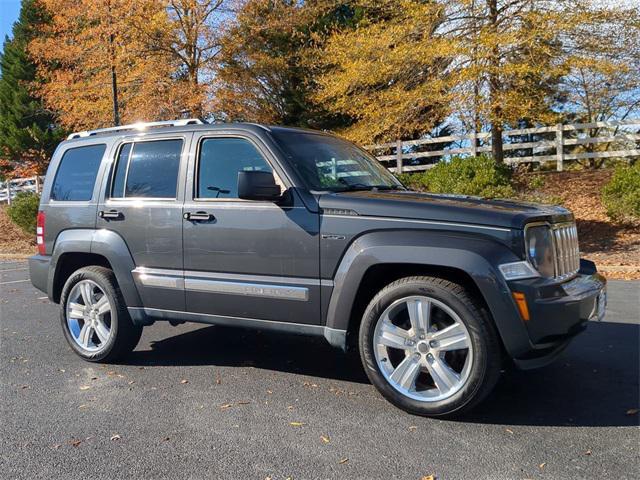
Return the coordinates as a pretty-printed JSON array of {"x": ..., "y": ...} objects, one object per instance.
[
  {"x": 147, "y": 169},
  {"x": 330, "y": 163},
  {"x": 77, "y": 173},
  {"x": 219, "y": 163}
]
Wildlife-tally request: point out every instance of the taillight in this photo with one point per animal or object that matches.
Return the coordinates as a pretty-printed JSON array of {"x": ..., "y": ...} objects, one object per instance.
[{"x": 40, "y": 233}]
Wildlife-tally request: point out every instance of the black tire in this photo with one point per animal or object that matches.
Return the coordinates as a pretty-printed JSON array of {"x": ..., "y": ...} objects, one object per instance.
[
  {"x": 124, "y": 334},
  {"x": 485, "y": 367}
]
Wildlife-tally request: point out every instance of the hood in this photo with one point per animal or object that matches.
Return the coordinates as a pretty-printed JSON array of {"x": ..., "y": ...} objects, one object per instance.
[{"x": 443, "y": 207}]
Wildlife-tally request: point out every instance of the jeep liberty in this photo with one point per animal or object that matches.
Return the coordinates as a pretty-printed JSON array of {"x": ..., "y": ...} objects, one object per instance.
[{"x": 305, "y": 233}]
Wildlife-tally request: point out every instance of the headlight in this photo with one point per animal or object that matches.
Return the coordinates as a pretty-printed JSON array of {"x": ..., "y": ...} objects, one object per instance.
[{"x": 539, "y": 244}]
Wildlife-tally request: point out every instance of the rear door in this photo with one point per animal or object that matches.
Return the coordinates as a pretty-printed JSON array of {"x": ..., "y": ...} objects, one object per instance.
[
  {"x": 244, "y": 258},
  {"x": 142, "y": 202}
]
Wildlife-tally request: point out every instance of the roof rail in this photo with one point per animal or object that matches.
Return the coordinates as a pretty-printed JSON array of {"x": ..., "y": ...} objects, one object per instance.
[{"x": 138, "y": 126}]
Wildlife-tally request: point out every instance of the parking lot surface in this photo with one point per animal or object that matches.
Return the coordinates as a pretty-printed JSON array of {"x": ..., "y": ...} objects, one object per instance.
[{"x": 198, "y": 401}]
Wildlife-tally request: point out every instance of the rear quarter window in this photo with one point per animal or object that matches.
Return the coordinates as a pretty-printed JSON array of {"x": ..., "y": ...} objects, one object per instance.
[{"x": 76, "y": 175}]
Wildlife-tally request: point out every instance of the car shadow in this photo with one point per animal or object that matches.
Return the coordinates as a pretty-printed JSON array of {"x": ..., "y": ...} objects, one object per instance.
[
  {"x": 239, "y": 347},
  {"x": 595, "y": 382}
]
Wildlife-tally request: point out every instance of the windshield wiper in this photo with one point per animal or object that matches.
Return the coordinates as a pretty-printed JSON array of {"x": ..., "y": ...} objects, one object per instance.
[{"x": 351, "y": 187}]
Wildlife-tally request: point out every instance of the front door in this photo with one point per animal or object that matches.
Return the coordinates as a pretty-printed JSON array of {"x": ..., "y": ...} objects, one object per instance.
[
  {"x": 242, "y": 258},
  {"x": 142, "y": 202}
]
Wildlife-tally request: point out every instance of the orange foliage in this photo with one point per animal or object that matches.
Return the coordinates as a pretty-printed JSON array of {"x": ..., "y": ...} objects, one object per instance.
[{"x": 75, "y": 54}]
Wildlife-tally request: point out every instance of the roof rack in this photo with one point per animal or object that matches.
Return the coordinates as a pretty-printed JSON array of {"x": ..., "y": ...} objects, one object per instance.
[{"x": 138, "y": 126}]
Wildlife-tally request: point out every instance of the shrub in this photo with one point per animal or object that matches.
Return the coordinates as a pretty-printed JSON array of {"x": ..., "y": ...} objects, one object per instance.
[
  {"x": 24, "y": 210},
  {"x": 621, "y": 195},
  {"x": 479, "y": 176}
]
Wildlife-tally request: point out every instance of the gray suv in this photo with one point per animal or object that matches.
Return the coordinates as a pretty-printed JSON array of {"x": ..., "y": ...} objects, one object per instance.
[{"x": 302, "y": 232}]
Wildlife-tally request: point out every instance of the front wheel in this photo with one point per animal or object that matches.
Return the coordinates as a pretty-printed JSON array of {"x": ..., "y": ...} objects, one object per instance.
[
  {"x": 94, "y": 316},
  {"x": 427, "y": 346}
]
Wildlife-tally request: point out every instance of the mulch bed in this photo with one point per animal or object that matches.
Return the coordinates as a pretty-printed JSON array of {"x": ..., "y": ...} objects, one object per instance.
[{"x": 14, "y": 243}]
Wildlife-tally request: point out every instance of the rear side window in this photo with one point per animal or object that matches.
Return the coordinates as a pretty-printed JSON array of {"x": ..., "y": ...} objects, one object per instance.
[
  {"x": 147, "y": 169},
  {"x": 220, "y": 161},
  {"x": 77, "y": 173}
]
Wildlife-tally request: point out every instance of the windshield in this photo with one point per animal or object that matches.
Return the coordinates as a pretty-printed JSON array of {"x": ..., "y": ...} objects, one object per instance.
[{"x": 329, "y": 163}]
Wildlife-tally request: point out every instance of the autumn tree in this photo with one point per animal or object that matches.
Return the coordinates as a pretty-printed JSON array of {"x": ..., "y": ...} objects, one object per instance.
[
  {"x": 488, "y": 63},
  {"x": 187, "y": 32},
  {"x": 85, "y": 43},
  {"x": 263, "y": 70},
  {"x": 27, "y": 129},
  {"x": 603, "y": 79},
  {"x": 388, "y": 70}
]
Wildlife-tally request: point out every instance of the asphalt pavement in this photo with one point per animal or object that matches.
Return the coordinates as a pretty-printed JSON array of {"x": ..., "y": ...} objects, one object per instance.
[{"x": 201, "y": 402}]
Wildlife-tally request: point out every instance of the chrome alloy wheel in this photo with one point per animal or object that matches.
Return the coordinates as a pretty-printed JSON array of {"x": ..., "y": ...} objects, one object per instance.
[
  {"x": 423, "y": 349},
  {"x": 89, "y": 316}
]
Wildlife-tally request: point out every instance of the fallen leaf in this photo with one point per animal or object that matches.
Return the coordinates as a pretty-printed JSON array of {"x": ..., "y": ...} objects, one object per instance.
[
  {"x": 269, "y": 392},
  {"x": 244, "y": 402},
  {"x": 296, "y": 424},
  {"x": 588, "y": 452},
  {"x": 542, "y": 465},
  {"x": 344, "y": 460},
  {"x": 184, "y": 381},
  {"x": 226, "y": 405},
  {"x": 94, "y": 378},
  {"x": 413, "y": 428},
  {"x": 75, "y": 443},
  {"x": 324, "y": 439},
  {"x": 508, "y": 431},
  {"x": 115, "y": 437},
  {"x": 131, "y": 382},
  {"x": 57, "y": 446},
  {"x": 85, "y": 387},
  {"x": 428, "y": 477},
  {"x": 165, "y": 439},
  {"x": 632, "y": 411}
]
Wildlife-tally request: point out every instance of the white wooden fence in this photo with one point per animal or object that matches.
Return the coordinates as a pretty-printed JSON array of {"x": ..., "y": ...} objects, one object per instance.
[
  {"x": 10, "y": 188},
  {"x": 559, "y": 143}
]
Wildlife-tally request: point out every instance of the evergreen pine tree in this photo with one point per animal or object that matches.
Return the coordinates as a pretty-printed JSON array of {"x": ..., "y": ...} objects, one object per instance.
[{"x": 28, "y": 134}]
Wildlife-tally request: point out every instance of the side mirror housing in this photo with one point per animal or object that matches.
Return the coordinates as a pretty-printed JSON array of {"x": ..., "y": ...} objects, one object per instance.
[{"x": 257, "y": 185}]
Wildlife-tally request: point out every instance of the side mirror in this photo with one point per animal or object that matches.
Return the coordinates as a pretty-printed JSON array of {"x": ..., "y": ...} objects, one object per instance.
[{"x": 257, "y": 185}]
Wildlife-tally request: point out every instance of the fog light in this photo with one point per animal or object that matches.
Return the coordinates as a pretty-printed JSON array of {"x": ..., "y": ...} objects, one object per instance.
[{"x": 521, "y": 302}]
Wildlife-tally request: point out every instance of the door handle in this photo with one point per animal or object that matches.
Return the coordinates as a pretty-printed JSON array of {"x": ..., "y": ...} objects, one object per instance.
[
  {"x": 110, "y": 214},
  {"x": 198, "y": 216}
]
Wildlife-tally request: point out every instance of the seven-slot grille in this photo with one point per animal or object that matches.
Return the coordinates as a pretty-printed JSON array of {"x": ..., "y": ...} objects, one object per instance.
[{"x": 567, "y": 252}]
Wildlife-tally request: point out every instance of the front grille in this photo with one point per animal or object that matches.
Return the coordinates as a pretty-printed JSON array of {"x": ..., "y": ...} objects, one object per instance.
[{"x": 567, "y": 252}]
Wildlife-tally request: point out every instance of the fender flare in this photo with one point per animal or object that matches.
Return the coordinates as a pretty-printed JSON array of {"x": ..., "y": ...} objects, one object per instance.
[
  {"x": 101, "y": 242},
  {"x": 477, "y": 256}
]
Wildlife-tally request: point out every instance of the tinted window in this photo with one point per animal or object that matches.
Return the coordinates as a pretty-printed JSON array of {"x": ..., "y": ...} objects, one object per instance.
[
  {"x": 77, "y": 172},
  {"x": 150, "y": 169},
  {"x": 220, "y": 161},
  {"x": 121, "y": 171}
]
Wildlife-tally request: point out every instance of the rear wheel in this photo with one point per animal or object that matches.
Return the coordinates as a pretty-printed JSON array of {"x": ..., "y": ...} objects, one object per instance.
[
  {"x": 428, "y": 348},
  {"x": 94, "y": 317}
]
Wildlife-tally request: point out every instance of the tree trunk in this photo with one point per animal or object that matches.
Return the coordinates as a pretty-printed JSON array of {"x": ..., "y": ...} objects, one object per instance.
[{"x": 494, "y": 88}]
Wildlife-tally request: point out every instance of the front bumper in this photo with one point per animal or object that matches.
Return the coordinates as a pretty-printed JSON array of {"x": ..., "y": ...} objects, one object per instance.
[{"x": 559, "y": 311}]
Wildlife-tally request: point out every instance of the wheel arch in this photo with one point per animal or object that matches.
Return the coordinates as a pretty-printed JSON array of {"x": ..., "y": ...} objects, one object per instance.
[
  {"x": 376, "y": 260},
  {"x": 79, "y": 248}
]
